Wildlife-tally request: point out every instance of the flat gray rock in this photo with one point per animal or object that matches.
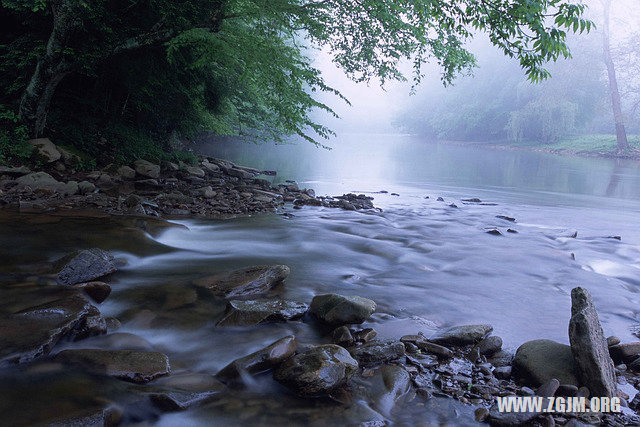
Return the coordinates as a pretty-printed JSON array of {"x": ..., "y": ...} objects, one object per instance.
[
  {"x": 461, "y": 335},
  {"x": 128, "y": 365},
  {"x": 377, "y": 352},
  {"x": 85, "y": 265},
  {"x": 589, "y": 346},
  {"x": 338, "y": 310},
  {"x": 537, "y": 362},
  {"x": 316, "y": 371},
  {"x": 245, "y": 313},
  {"x": 245, "y": 282}
]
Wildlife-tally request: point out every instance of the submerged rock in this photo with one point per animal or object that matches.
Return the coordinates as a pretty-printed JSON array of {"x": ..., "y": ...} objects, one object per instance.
[
  {"x": 461, "y": 335},
  {"x": 32, "y": 321},
  {"x": 316, "y": 371},
  {"x": 589, "y": 347},
  {"x": 128, "y": 365},
  {"x": 244, "y": 313},
  {"x": 98, "y": 291},
  {"x": 85, "y": 265},
  {"x": 260, "y": 361},
  {"x": 538, "y": 361},
  {"x": 340, "y": 310},
  {"x": 388, "y": 385},
  {"x": 246, "y": 281}
]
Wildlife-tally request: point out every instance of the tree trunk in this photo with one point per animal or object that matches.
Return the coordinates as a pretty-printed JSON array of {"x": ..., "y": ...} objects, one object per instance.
[
  {"x": 52, "y": 67},
  {"x": 621, "y": 133}
]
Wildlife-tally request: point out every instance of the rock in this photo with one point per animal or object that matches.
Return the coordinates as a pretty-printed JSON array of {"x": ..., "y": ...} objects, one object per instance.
[
  {"x": 147, "y": 169},
  {"x": 502, "y": 372},
  {"x": 494, "y": 232},
  {"x": 549, "y": 388},
  {"x": 86, "y": 187},
  {"x": 539, "y": 361},
  {"x": 125, "y": 172},
  {"x": 238, "y": 173},
  {"x": 316, "y": 371},
  {"x": 85, "y": 265},
  {"x": 440, "y": 351},
  {"x": 17, "y": 171},
  {"x": 98, "y": 291},
  {"x": 377, "y": 352},
  {"x": 122, "y": 341},
  {"x": 179, "y": 392},
  {"x": 386, "y": 387},
  {"x": 567, "y": 390},
  {"x": 612, "y": 340},
  {"x": 260, "y": 361},
  {"x": 501, "y": 358},
  {"x": 509, "y": 419},
  {"x": 589, "y": 347},
  {"x": 342, "y": 336},
  {"x": 41, "y": 181},
  {"x": 69, "y": 189},
  {"x": 33, "y": 320},
  {"x": 624, "y": 353},
  {"x": 490, "y": 345},
  {"x": 246, "y": 281},
  {"x": 210, "y": 167},
  {"x": 129, "y": 365},
  {"x": 461, "y": 335},
  {"x": 339, "y": 310},
  {"x": 506, "y": 218},
  {"x": 244, "y": 313},
  {"x": 45, "y": 150},
  {"x": 365, "y": 335},
  {"x": 194, "y": 171}
]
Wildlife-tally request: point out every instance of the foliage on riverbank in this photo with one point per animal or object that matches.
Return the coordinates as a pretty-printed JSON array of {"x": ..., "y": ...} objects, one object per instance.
[{"x": 596, "y": 145}]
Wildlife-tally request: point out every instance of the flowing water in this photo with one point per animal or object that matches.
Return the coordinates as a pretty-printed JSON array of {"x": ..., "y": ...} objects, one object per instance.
[{"x": 426, "y": 264}]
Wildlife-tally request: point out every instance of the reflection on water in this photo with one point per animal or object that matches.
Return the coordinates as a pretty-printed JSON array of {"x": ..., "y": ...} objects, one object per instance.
[{"x": 425, "y": 263}]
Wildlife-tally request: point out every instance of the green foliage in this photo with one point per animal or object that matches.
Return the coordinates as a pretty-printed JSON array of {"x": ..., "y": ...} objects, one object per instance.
[
  {"x": 13, "y": 138},
  {"x": 543, "y": 121},
  {"x": 127, "y": 77}
]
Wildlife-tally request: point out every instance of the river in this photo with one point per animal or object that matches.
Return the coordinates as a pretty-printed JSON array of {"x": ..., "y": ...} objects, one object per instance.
[{"x": 427, "y": 264}]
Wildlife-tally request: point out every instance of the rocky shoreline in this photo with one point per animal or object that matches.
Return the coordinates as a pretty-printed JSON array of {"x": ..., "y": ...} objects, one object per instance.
[
  {"x": 213, "y": 188},
  {"x": 350, "y": 364}
]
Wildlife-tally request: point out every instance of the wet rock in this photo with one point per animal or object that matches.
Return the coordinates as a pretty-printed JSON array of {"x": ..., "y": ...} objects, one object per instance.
[
  {"x": 194, "y": 171},
  {"x": 501, "y": 358},
  {"x": 439, "y": 199},
  {"x": 45, "y": 150},
  {"x": 539, "y": 361},
  {"x": 85, "y": 265},
  {"x": 439, "y": 350},
  {"x": 316, "y": 371},
  {"x": 506, "y": 218},
  {"x": 338, "y": 310},
  {"x": 549, "y": 388},
  {"x": 30, "y": 330},
  {"x": 98, "y": 291},
  {"x": 494, "y": 232},
  {"x": 377, "y": 352},
  {"x": 245, "y": 282},
  {"x": 500, "y": 419},
  {"x": 624, "y": 353},
  {"x": 388, "y": 385},
  {"x": 125, "y": 172},
  {"x": 147, "y": 169},
  {"x": 589, "y": 347},
  {"x": 567, "y": 390},
  {"x": 128, "y": 365},
  {"x": 113, "y": 323},
  {"x": 120, "y": 341},
  {"x": 342, "y": 336},
  {"x": 612, "y": 340},
  {"x": 502, "y": 372},
  {"x": 182, "y": 391},
  {"x": 490, "y": 345},
  {"x": 260, "y": 361},
  {"x": 365, "y": 335},
  {"x": 461, "y": 335},
  {"x": 244, "y": 313}
]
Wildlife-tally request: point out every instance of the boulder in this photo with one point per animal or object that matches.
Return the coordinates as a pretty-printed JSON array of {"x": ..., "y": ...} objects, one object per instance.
[
  {"x": 388, "y": 385},
  {"x": 625, "y": 353},
  {"x": 340, "y": 310},
  {"x": 260, "y": 361},
  {"x": 490, "y": 345},
  {"x": 86, "y": 187},
  {"x": 245, "y": 313},
  {"x": 40, "y": 181},
  {"x": 317, "y": 371},
  {"x": 85, "y": 265},
  {"x": 98, "y": 291},
  {"x": 33, "y": 320},
  {"x": 128, "y": 365},
  {"x": 538, "y": 361},
  {"x": 17, "y": 171},
  {"x": 589, "y": 346},
  {"x": 342, "y": 336},
  {"x": 45, "y": 150},
  {"x": 244, "y": 282},
  {"x": 378, "y": 352},
  {"x": 461, "y": 335},
  {"x": 125, "y": 172},
  {"x": 147, "y": 169},
  {"x": 194, "y": 171},
  {"x": 210, "y": 167}
]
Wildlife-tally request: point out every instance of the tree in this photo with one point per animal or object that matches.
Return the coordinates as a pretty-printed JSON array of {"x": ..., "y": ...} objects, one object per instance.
[
  {"x": 614, "y": 91},
  {"x": 161, "y": 68}
]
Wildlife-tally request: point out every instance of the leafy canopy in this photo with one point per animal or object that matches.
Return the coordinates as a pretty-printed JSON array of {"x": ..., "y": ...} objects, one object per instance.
[{"x": 157, "y": 70}]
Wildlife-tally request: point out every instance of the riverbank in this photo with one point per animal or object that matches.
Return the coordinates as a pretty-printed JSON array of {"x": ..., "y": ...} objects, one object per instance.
[
  {"x": 210, "y": 188},
  {"x": 594, "y": 146}
]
